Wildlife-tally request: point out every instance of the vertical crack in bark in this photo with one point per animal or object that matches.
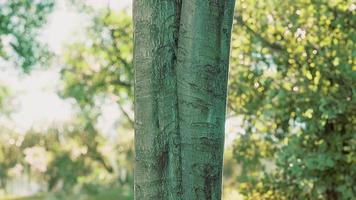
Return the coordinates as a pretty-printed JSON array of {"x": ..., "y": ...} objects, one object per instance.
[
  {"x": 157, "y": 141},
  {"x": 175, "y": 139}
]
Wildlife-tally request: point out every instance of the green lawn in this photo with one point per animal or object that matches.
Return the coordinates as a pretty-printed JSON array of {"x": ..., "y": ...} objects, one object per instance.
[
  {"x": 107, "y": 194},
  {"x": 36, "y": 197}
]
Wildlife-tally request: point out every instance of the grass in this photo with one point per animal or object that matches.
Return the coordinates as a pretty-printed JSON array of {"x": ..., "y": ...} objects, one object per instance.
[
  {"x": 105, "y": 194},
  {"x": 35, "y": 197}
]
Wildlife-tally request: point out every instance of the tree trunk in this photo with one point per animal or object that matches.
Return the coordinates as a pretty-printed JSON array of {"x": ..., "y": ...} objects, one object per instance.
[{"x": 181, "y": 56}]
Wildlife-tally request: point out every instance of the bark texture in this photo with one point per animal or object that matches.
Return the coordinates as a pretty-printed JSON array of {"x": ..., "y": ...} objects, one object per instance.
[{"x": 181, "y": 58}]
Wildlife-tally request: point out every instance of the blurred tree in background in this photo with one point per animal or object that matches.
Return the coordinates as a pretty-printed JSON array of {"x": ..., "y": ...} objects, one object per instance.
[
  {"x": 96, "y": 69},
  {"x": 64, "y": 163},
  {"x": 101, "y": 64},
  {"x": 20, "y": 21},
  {"x": 76, "y": 159},
  {"x": 293, "y": 81}
]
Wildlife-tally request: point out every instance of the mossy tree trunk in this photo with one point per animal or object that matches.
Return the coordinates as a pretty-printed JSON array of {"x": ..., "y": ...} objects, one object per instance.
[{"x": 181, "y": 58}]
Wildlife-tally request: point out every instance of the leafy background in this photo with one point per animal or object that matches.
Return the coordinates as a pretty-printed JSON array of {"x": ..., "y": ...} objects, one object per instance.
[{"x": 290, "y": 131}]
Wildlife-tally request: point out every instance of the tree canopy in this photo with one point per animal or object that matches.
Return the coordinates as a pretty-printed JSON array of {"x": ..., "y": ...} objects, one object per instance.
[
  {"x": 293, "y": 80},
  {"x": 19, "y": 28}
]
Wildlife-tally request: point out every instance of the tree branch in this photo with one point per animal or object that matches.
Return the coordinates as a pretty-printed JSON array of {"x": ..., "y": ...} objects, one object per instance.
[
  {"x": 259, "y": 36},
  {"x": 129, "y": 119}
]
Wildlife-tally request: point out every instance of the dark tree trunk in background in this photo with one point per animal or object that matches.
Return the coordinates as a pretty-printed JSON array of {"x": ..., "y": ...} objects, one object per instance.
[{"x": 181, "y": 58}]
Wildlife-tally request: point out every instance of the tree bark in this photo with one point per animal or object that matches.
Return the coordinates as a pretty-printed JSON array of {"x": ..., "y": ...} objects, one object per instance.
[{"x": 181, "y": 58}]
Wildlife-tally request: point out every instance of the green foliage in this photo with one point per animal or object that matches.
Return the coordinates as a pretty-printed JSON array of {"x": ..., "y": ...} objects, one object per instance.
[
  {"x": 100, "y": 67},
  {"x": 293, "y": 78},
  {"x": 77, "y": 160},
  {"x": 73, "y": 158},
  {"x": 101, "y": 64},
  {"x": 20, "y": 21},
  {"x": 10, "y": 155}
]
